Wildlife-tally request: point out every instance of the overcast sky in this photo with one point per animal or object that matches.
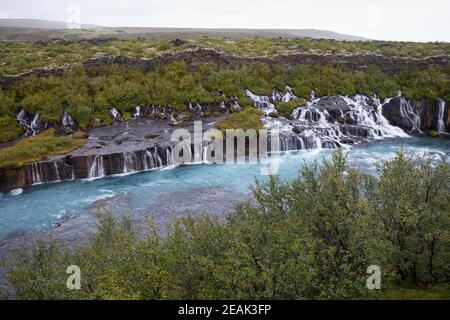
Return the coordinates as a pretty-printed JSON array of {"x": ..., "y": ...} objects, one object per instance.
[{"x": 415, "y": 20}]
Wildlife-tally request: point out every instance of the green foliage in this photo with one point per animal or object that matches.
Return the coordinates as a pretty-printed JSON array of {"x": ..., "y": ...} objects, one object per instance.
[
  {"x": 9, "y": 130},
  {"x": 411, "y": 204},
  {"x": 248, "y": 118},
  {"x": 88, "y": 94},
  {"x": 286, "y": 108},
  {"x": 37, "y": 147},
  {"x": 310, "y": 238}
]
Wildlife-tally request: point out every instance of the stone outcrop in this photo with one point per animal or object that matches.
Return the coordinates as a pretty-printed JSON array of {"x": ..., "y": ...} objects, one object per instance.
[{"x": 411, "y": 115}]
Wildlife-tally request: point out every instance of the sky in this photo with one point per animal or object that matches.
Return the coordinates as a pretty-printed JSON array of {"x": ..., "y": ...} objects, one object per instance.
[{"x": 406, "y": 20}]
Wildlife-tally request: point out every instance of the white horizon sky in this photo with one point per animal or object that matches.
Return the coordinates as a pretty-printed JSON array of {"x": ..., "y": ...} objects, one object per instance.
[{"x": 404, "y": 20}]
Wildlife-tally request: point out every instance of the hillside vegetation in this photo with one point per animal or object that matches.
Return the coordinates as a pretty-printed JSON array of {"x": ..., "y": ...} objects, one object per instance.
[
  {"x": 89, "y": 93},
  {"x": 16, "y": 57}
]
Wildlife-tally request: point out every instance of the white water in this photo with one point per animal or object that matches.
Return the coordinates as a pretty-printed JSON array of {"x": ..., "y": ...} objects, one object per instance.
[
  {"x": 361, "y": 119},
  {"x": 410, "y": 115},
  {"x": 96, "y": 168},
  {"x": 67, "y": 120},
  {"x": 440, "y": 127},
  {"x": 115, "y": 113}
]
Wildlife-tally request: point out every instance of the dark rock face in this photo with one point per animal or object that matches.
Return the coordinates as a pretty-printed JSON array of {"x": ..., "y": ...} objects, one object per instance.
[{"x": 411, "y": 115}]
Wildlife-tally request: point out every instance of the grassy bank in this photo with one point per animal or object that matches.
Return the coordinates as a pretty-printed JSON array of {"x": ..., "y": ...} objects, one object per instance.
[{"x": 36, "y": 148}]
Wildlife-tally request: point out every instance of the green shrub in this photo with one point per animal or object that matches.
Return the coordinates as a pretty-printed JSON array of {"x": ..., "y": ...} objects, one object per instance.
[
  {"x": 248, "y": 118},
  {"x": 9, "y": 130},
  {"x": 286, "y": 108}
]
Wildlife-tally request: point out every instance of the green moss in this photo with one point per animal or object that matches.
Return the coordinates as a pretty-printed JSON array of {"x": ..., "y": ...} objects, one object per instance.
[
  {"x": 36, "y": 148},
  {"x": 249, "y": 118},
  {"x": 286, "y": 108},
  {"x": 434, "y": 134},
  {"x": 80, "y": 135}
]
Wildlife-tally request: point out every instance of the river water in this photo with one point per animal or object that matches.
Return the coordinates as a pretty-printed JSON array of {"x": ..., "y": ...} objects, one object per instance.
[{"x": 42, "y": 206}]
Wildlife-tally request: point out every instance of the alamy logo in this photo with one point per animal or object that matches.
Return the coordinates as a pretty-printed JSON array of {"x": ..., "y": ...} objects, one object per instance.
[
  {"x": 74, "y": 280},
  {"x": 374, "y": 281},
  {"x": 235, "y": 146}
]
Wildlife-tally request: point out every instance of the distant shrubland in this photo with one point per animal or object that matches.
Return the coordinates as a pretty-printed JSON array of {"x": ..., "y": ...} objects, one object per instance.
[{"x": 20, "y": 56}]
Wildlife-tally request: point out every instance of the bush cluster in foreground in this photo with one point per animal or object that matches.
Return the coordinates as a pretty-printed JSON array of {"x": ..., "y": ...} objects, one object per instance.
[{"x": 309, "y": 238}]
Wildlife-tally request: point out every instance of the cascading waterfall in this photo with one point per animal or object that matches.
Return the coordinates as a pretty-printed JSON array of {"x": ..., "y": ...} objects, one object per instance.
[
  {"x": 169, "y": 156},
  {"x": 58, "y": 176},
  {"x": 67, "y": 120},
  {"x": 327, "y": 122},
  {"x": 409, "y": 116},
  {"x": 35, "y": 123},
  {"x": 37, "y": 174},
  {"x": 115, "y": 113},
  {"x": 440, "y": 126},
  {"x": 158, "y": 160},
  {"x": 361, "y": 118},
  {"x": 129, "y": 162},
  {"x": 96, "y": 168},
  {"x": 262, "y": 102},
  {"x": 330, "y": 122}
]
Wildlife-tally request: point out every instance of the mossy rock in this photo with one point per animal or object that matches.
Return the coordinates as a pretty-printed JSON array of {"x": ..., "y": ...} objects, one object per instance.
[
  {"x": 36, "y": 148},
  {"x": 81, "y": 135},
  {"x": 434, "y": 134}
]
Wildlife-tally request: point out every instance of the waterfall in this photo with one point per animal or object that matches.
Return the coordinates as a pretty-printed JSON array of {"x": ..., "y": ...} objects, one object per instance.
[
  {"x": 22, "y": 118},
  {"x": 130, "y": 164},
  {"x": 36, "y": 173},
  {"x": 67, "y": 120},
  {"x": 158, "y": 160},
  {"x": 150, "y": 157},
  {"x": 440, "y": 125},
  {"x": 169, "y": 156},
  {"x": 96, "y": 168},
  {"x": 115, "y": 113},
  {"x": 57, "y": 175},
  {"x": 137, "y": 114},
  {"x": 409, "y": 116},
  {"x": 34, "y": 126},
  {"x": 334, "y": 121},
  {"x": 261, "y": 102}
]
